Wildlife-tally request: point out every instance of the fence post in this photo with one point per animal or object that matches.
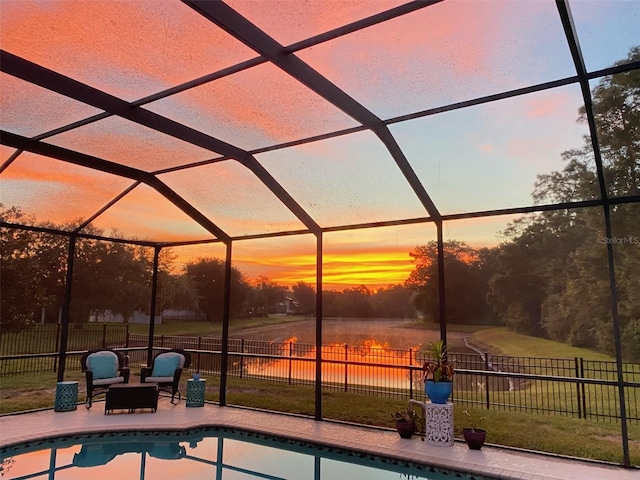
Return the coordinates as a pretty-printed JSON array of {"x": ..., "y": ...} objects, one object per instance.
[
  {"x": 241, "y": 357},
  {"x": 126, "y": 345},
  {"x": 290, "y": 353},
  {"x": 582, "y": 386},
  {"x": 104, "y": 335},
  {"x": 199, "y": 348},
  {"x": 410, "y": 373},
  {"x": 577, "y": 373},
  {"x": 346, "y": 367},
  {"x": 486, "y": 380},
  {"x": 55, "y": 358}
]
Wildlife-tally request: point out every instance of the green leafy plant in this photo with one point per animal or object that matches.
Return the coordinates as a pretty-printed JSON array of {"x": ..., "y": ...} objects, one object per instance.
[
  {"x": 473, "y": 420},
  {"x": 410, "y": 415},
  {"x": 437, "y": 367},
  {"x": 407, "y": 416}
]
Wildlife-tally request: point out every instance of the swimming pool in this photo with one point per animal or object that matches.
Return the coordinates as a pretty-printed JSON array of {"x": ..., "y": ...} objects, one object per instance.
[{"x": 204, "y": 453}]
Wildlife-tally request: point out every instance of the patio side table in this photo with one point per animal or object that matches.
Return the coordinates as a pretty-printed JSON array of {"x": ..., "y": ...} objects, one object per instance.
[
  {"x": 131, "y": 396},
  {"x": 195, "y": 392},
  {"x": 439, "y": 420},
  {"x": 66, "y": 396}
]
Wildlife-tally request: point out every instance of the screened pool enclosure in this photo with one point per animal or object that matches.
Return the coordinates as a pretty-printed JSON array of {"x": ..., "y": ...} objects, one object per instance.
[{"x": 321, "y": 142}]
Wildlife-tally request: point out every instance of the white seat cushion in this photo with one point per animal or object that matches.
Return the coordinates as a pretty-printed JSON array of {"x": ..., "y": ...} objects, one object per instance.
[
  {"x": 158, "y": 379},
  {"x": 108, "y": 381}
]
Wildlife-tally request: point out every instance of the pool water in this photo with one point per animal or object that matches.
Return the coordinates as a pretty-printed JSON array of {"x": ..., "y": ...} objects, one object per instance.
[{"x": 216, "y": 454}]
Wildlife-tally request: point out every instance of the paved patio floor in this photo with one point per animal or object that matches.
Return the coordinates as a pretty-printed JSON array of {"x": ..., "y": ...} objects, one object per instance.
[{"x": 490, "y": 461}]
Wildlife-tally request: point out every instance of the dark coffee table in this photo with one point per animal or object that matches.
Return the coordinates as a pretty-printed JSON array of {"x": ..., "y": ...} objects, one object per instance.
[{"x": 129, "y": 396}]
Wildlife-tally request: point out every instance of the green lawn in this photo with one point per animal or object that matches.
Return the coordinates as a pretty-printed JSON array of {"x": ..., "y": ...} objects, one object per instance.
[
  {"x": 501, "y": 341},
  {"x": 214, "y": 328},
  {"x": 553, "y": 434}
]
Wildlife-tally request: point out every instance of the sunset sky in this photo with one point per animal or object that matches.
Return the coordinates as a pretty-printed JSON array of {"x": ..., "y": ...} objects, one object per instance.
[{"x": 478, "y": 158}]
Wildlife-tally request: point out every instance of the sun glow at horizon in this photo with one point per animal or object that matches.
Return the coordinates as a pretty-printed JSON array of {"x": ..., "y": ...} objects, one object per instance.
[{"x": 340, "y": 270}]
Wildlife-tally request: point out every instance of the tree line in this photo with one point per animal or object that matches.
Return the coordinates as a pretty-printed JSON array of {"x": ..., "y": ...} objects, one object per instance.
[
  {"x": 549, "y": 276},
  {"x": 116, "y": 277}
]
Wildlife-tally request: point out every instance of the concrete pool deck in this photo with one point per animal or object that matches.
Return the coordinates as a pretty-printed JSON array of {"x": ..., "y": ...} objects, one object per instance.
[{"x": 490, "y": 461}]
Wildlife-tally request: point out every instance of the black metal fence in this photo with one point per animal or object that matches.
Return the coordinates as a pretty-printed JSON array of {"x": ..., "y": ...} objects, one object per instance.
[
  {"x": 554, "y": 386},
  {"x": 35, "y": 349}
]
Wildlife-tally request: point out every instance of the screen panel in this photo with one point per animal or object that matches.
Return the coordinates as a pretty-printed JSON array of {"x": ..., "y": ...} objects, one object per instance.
[
  {"x": 254, "y": 108},
  {"x": 446, "y": 53},
  {"x": 497, "y": 155},
  {"x": 144, "y": 214},
  {"x": 616, "y": 117},
  {"x": 345, "y": 180},
  {"x": 607, "y": 30},
  {"x": 128, "y": 49},
  {"x": 233, "y": 197},
  {"x": 57, "y": 192},
  {"x": 30, "y": 110},
  {"x": 289, "y": 21},
  {"x": 122, "y": 141}
]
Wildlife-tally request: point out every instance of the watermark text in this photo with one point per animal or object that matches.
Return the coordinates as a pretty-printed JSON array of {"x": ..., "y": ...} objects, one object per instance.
[{"x": 630, "y": 240}]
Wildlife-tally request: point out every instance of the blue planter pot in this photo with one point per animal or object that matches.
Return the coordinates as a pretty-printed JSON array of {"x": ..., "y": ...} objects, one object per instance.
[{"x": 438, "y": 392}]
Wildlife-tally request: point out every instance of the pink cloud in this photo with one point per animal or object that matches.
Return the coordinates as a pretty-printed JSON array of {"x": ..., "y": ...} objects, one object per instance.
[
  {"x": 551, "y": 104},
  {"x": 57, "y": 191},
  {"x": 300, "y": 20},
  {"x": 125, "y": 47}
]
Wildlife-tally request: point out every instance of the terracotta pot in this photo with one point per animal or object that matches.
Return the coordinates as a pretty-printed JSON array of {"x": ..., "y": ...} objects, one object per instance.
[
  {"x": 474, "y": 437},
  {"x": 405, "y": 429}
]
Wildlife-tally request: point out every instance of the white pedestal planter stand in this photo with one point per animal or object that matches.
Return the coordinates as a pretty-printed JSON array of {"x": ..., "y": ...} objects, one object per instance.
[{"x": 438, "y": 422}]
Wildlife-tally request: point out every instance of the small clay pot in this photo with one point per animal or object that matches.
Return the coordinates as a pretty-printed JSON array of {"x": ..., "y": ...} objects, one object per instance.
[{"x": 474, "y": 437}]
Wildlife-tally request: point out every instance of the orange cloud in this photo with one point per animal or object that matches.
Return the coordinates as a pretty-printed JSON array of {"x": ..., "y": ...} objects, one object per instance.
[
  {"x": 373, "y": 257},
  {"x": 254, "y": 108},
  {"x": 56, "y": 191},
  {"x": 300, "y": 20},
  {"x": 146, "y": 215},
  {"x": 551, "y": 104},
  {"x": 133, "y": 49},
  {"x": 128, "y": 48},
  {"x": 373, "y": 269},
  {"x": 487, "y": 148},
  {"x": 131, "y": 144}
]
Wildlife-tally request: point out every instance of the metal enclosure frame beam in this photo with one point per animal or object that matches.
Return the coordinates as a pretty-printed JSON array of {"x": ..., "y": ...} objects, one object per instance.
[
  {"x": 238, "y": 26},
  {"x": 46, "y": 78},
  {"x": 152, "y": 308},
  {"x": 576, "y": 52},
  {"x": 66, "y": 309},
  {"x": 95, "y": 163}
]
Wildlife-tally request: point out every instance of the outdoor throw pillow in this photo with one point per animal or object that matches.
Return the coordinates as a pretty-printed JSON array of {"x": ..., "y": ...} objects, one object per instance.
[
  {"x": 103, "y": 366},
  {"x": 165, "y": 365}
]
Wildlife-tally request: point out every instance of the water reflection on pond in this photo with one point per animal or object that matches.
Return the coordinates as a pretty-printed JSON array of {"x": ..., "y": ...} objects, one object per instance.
[
  {"x": 400, "y": 333},
  {"x": 301, "y": 365},
  {"x": 384, "y": 342}
]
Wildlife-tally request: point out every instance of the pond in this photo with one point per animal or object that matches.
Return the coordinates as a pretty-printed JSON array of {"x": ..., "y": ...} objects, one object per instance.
[{"x": 392, "y": 333}]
